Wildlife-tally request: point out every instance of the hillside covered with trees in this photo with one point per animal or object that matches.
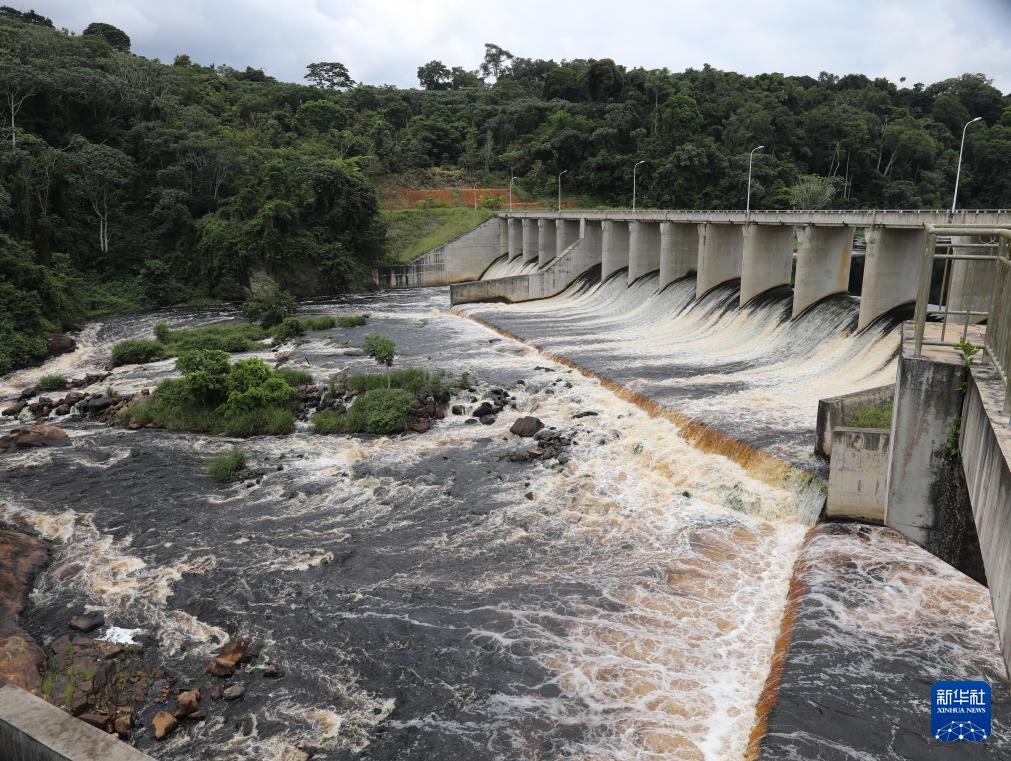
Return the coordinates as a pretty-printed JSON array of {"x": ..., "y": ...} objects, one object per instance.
[{"x": 127, "y": 183}]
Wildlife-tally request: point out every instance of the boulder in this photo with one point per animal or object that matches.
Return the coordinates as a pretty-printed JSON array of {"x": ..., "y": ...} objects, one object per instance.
[
  {"x": 59, "y": 343},
  {"x": 233, "y": 692},
  {"x": 487, "y": 419},
  {"x": 15, "y": 408},
  {"x": 87, "y": 623},
  {"x": 124, "y": 723},
  {"x": 586, "y": 413},
  {"x": 187, "y": 702},
  {"x": 526, "y": 426},
  {"x": 271, "y": 671},
  {"x": 231, "y": 655},
  {"x": 421, "y": 425},
  {"x": 36, "y": 436},
  {"x": 163, "y": 723},
  {"x": 485, "y": 408},
  {"x": 97, "y": 404},
  {"x": 457, "y": 409}
]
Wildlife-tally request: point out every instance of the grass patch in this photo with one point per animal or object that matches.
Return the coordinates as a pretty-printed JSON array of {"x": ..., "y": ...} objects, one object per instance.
[
  {"x": 353, "y": 320},
  {"x": 231, "y": 337},
  {"x": 380, "y": 411},
  {"x": 294, "y": 377},
  {"x": 439, "y": 385},
  {"x": 53, "y": 383},
  {"x": 872, "y": 416},
  {"x": 137, "y": 351},
  {"x": 225, "y": 467},
  {"x": 318, "y": 323},
  {"x": 413, "y": 232}
]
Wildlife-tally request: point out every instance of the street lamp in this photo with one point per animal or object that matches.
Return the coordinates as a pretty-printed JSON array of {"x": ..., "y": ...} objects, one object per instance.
[
  {"x": 958, "y": 172},
  {"x": 751, "y": 158},
  {"x": 634, "y": 167},
  {"x": 560, "y": 188},
  {"x": 511, "y": 192}
]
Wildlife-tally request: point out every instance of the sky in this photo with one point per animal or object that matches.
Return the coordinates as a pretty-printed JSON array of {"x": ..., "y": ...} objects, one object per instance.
[{"x": 384, "y": 41}]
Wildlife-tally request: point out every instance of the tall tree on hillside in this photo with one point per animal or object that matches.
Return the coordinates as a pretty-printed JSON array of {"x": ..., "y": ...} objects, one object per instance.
[
  {"x": 496, "y": 60},
  {"x": 435, "y": 75},
  {"x": 22, "y": 75},
  {"x": 329, "y": 75},
  {"x": 117, "y": 38},
  {"x": 100, "y": 172}
]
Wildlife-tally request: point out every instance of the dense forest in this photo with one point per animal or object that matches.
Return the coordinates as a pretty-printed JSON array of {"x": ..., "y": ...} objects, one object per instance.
[{"x": 128, "y": 183}]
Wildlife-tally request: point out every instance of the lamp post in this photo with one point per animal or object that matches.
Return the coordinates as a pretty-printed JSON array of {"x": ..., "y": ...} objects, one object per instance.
[
  {"x": 958, "y": 172},
  {"x": 634, "y": 167},
  {"x": 560, "y": 189},
  {"x": 511, "y": 192},
  {"x": 751, "y": 159}
]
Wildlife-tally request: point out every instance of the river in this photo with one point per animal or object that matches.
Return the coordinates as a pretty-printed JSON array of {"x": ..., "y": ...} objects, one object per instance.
[{"x": 426, "y": 597}]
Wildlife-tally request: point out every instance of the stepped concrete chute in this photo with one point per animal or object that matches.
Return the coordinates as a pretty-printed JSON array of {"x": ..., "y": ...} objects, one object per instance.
[
  {"x": 545, "y": 241},
  {"x": 679, "y": 251},
  {"x": 721, "y": 248},
  {"x": 567, "y": 232},
  {"x": 823, "y": 264},
  {"x": 767, "y": 259},
  {"x": 531, "y": 240},
  {"x": 614, "y": 247},
  {"x": 515, "y": 237},
  {"x": 891, "y": 270},
  {"x": 643, "y": 249}
]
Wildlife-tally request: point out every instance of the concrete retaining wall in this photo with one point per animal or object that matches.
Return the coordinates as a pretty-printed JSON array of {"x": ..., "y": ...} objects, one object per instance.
[
  {"x": 559, "y": 274},
  {"x": 857, "y": 476},
  {"x": 985, "y": 446},
  {"x": 833, "y": 411},
  {"x": 33, "y": 730},
  {"x": 462, "y": 259}
]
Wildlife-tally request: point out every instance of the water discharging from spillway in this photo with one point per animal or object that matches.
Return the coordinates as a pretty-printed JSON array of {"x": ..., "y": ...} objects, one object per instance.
[{"x": 426, "y": 596}]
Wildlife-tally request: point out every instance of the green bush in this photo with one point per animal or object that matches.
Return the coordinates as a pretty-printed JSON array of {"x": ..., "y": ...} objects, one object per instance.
[
  {"x": 294, "y": 377},
  {"x": 225, "y": 467},
  {"x": 53, "y": 383},
  {"x": 269, "y": 307},
  {"x": 162, "y": 332},
  {"x": 256, "y": 400},
  {"x": 287, "y": 329},
  {"x": 381, "y": 411},
  {"x": 353, "y": 320},
  {"x": 136, "y": 351}
]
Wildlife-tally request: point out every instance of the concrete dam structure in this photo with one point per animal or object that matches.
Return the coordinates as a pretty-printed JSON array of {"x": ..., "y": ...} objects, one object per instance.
[{"x": 615, "y": 278}]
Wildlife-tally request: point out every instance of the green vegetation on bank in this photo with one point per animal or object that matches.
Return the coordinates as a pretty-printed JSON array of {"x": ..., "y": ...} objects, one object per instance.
[
  {"x": 413, "y": 232},
  {"x": 52, "y": 382},
  {"x": 872, "y": 416},
  {"x": 439, "y": 385},
  {"x": 352, "y": 320},
  {"x": 127, "y": 184},
  {"x": 246, "y": 398},
  {"x": 379, "y": 411},
  {"x": 225, "y": 467}
]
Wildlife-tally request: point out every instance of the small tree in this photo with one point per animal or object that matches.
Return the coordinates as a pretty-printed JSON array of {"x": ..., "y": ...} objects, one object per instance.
[
  {"x": 382, "y": 350},
  {"x": 117, "y": 38}
]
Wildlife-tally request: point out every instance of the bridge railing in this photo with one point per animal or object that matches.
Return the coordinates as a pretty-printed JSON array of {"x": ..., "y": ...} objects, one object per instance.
[{"x": 985, "y": 256}]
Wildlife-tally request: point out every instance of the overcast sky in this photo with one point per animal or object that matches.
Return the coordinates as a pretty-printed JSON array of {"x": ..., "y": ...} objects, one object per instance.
[{"x": 384, "y": 41}]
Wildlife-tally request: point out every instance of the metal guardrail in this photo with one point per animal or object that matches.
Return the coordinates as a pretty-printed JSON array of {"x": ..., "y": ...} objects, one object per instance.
[{"x": 989, "y": 245}]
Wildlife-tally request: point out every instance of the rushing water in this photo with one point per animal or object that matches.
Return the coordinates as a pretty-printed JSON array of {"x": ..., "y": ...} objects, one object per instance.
[{"x": 427, "y": 597}]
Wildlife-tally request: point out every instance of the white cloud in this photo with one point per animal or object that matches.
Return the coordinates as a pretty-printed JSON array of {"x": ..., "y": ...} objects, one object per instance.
[{"x": 384, "y": 41}]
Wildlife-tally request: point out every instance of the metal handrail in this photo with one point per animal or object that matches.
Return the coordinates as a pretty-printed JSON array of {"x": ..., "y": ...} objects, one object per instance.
[{"x": 997, "y": 338}]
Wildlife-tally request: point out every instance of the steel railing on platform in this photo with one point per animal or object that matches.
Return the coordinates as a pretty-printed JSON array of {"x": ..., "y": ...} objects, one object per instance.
[{"x": 985, "y": 254}]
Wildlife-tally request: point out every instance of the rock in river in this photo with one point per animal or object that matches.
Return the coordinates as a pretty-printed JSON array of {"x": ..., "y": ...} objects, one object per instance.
[
  {"x": 36, "y": 436},
  {"x": 526, "y": 426}
]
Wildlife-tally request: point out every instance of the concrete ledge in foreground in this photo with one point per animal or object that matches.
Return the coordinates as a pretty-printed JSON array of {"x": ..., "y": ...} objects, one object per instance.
[{"x": 33, "y": 730}]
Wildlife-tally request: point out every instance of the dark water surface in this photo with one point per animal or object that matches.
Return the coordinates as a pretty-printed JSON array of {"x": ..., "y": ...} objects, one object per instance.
[{"x": 426, "y": 597}]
